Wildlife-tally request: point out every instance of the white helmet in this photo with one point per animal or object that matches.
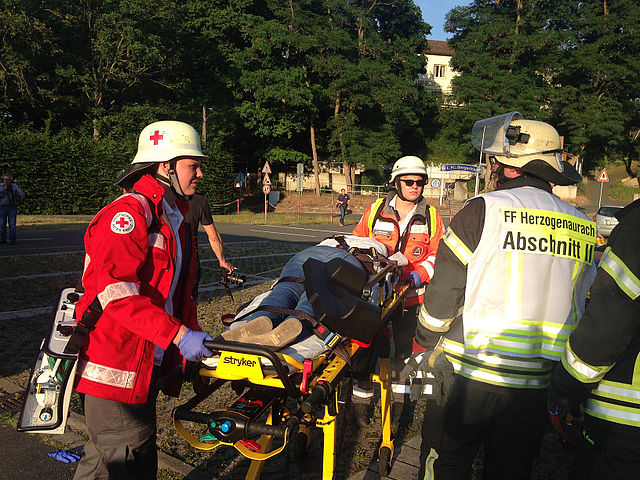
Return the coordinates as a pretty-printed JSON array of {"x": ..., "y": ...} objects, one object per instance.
[
  {"x": 408, "y": 165},
  {"x": 166, "y": 140},
  {"x": 161, "y": 142},
  {"x": 530, "y": 145}
]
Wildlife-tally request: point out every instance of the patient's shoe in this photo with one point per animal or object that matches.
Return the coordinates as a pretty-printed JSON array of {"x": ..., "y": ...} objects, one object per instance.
[
  {"x": 279, "y": 337},
  {"x": 251, "y": 329}
]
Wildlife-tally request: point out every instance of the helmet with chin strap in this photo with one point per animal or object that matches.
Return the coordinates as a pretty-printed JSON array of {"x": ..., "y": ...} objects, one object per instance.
[
  {"x": 409, "y": 165},
  {"x": 164, "y": 141}
]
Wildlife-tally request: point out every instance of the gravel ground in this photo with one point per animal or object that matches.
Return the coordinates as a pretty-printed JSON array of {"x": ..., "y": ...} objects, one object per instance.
[{"x": 359, "y": 426}]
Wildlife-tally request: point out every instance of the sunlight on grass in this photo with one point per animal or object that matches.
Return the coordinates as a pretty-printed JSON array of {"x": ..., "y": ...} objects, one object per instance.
[
  {"x": 53, "y": 222},
  {"x": 274, "y": 219}
]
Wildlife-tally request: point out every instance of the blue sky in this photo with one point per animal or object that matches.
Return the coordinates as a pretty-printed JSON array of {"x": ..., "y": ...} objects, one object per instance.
[{"x": 433, "y": 12}]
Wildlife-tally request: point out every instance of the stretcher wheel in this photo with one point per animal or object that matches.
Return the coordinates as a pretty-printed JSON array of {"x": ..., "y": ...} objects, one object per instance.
[
  {"x": 301, "y": 446},
  {"x": 384, "y": 461}
]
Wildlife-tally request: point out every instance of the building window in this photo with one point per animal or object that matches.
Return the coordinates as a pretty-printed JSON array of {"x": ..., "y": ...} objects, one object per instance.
[{"x": 439, "y": 71}]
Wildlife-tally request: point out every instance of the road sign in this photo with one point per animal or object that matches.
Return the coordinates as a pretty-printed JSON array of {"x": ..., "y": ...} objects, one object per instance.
[
  {"x": 300, "y": 177},
  {"x": 266, "y": 189},
  {"x": 447, "y": 167},
  {"x": 603, "y": 176},
  {"x": 266, "y": 168},
  {"x": 266, "y": 180},
  {"x": 435, "y": 183}
]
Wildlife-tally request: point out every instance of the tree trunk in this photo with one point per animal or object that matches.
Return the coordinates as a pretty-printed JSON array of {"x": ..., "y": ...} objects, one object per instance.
[
  {"x": 96, "y": 131},
  {"x": 343, "y": 151},
  {"x": 204, "y": 125},
  {"x": 316, "y": 167},
  {"x": 515, "y": 38}
]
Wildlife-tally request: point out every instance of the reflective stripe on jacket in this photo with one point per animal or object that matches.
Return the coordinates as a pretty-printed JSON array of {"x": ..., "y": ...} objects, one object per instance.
[
  {"x": 418, "y": 244},
  {"x": 602, "y": 359},
  {"x": 129, "y": 267},
  {"x": 513, "y": 272},
  {"x": 529, "y": 275}
]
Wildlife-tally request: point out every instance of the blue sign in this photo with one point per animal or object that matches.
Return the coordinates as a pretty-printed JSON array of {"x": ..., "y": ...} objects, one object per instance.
[{"x": 447, "y": 167}]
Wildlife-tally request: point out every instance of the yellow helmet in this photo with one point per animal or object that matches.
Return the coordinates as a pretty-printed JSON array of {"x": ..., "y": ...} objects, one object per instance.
[{"x": 530, "y": 145}]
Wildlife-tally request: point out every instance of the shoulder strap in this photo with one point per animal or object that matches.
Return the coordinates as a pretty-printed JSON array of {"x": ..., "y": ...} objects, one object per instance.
[
  {"x": 376, "y": 209},
  {"x": 84, "y": 327},
  {"x": 432, "y": 221}
]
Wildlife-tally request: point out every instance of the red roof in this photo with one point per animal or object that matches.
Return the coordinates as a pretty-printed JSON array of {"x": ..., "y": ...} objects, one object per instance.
[{"x": 440, "y": 47}]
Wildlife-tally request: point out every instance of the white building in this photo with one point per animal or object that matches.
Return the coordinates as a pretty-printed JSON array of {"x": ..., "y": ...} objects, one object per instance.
[{"x": 439, "y": 73}]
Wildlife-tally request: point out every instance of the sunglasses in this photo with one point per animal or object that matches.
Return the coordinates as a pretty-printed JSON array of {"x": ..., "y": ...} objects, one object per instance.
[{"x": 409, "y": 183}]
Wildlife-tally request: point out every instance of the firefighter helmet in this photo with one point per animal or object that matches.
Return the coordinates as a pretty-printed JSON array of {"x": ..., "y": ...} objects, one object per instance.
[{"x": 530, "y": 145}]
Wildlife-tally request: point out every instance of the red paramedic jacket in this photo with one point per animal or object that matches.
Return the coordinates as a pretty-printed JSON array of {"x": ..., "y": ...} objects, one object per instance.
[{"x": 129, "y": 266}]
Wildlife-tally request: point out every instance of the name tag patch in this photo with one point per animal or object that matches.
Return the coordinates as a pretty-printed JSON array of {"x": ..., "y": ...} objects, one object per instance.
[
  {"x": 383, "y": 228},
  {"x": 545, "y": 232}
]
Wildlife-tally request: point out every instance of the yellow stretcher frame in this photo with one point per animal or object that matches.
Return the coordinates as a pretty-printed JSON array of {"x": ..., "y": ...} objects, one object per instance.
[{"x": 331, "y": 374}]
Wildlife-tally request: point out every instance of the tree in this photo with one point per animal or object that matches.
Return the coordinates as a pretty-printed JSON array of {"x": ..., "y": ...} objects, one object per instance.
[
  {"x": 26, "y": 45},
  {"x": 112, "y": 53},
  {"x": 596, "y": 90}
]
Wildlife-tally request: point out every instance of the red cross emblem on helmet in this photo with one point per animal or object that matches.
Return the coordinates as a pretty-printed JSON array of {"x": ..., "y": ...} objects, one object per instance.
[{"x": 156, "y": 137}]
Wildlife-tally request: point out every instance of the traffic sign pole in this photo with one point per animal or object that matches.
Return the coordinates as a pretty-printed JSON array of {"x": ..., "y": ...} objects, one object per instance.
[
  {"x": 600, "y": 199},
  {"x": 602, "y": 179}
]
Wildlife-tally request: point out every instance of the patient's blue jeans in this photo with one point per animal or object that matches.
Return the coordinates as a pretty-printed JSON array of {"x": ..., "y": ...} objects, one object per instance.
[{"x": 291, "y": 294}]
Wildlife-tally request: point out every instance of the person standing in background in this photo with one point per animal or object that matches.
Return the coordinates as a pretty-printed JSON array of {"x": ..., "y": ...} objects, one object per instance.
[
  {"x": 10, "y": 196},
  {"x": 343, "y": 203},
  {"x": 200, "y": 214},
  {"x": 404, "y": 222}
]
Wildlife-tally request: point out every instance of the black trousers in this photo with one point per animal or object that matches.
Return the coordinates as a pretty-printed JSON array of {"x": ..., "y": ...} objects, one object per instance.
[
  {"x": 403, "y": 327},
  {"x": 612, "y": 454},
  {"x": 508, "y": 422}
]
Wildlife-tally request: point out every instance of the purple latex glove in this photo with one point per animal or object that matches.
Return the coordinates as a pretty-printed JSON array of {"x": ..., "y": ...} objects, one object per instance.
[
  {"x": 65, "y": 456},
  {"x": 415, "y": 278},
  {"x": 192, "y": 347}
]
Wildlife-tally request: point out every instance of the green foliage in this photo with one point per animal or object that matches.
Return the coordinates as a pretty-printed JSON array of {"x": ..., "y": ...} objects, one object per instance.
[
  {"x": 219, "y": 174},
  {"x": 62, "y": 173},
  {"x": 282, "y": 80},
  {"x": 570, "y": 63},
  {"x": 622, "y": 193}
]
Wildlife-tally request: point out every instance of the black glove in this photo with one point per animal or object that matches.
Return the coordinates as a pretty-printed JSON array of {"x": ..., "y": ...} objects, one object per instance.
[
  {"x": 566, "y": 420},
  {"x": 430, "y": 367}
]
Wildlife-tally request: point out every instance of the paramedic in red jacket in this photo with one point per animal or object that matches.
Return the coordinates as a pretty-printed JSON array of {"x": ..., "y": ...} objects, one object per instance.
[
  {"x": 139, "y": 265},
  {"x": 404, "y": 222}
]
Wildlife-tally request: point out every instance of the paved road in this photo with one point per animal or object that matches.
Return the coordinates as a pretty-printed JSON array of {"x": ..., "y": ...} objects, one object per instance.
[{"x": 57, "y": 241}]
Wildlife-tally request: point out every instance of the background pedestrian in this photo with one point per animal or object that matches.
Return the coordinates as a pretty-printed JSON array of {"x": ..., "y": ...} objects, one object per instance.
[{"x": 10, "y": 196}]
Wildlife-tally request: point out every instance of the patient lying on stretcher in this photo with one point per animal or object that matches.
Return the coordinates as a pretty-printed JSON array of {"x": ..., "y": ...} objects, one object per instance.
[{"x": 260, "y": 323}]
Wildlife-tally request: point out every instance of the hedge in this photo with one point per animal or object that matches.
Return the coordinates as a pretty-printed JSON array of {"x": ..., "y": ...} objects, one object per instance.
[{"x": 64, "y": 174}]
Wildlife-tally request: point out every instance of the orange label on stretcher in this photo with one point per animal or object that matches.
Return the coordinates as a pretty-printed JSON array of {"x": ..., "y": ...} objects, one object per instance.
[{"x": 239, "y": 365}]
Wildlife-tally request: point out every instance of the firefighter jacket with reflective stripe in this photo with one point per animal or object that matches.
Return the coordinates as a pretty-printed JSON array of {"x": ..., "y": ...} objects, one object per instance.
[
  {"x": 513, "y": 272},
  {"x": 418, "y": 243},
  {"x": 602, "y": 359},
  {"x": 129, "y": 266}
]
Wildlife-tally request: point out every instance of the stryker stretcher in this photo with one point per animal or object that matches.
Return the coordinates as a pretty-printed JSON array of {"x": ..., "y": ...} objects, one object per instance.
[{"x": 348, "y": 313}]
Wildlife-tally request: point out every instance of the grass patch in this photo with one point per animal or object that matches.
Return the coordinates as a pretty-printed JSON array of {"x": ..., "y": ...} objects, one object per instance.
[
  {"x": 53, "y": 222},
  {"x": 247, "y": 218},
  {"x": 622, "y": 193}
]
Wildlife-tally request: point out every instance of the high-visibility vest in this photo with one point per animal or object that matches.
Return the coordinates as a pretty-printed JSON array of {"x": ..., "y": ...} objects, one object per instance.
[{"x": 526, "y": 286}]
